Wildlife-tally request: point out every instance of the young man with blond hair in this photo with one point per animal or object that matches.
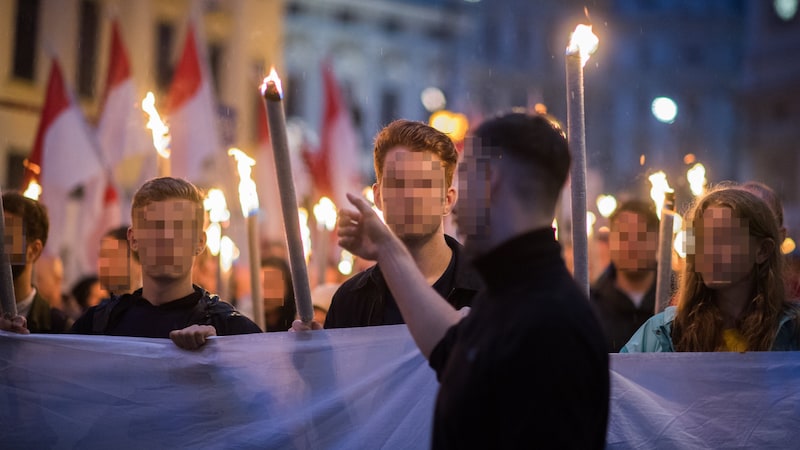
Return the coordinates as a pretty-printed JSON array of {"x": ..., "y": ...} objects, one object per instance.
[{"x": 167, "y": 234}]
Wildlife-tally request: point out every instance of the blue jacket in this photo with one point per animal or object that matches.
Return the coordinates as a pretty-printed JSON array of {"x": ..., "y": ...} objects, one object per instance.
[{"x": 656, "y": 334}]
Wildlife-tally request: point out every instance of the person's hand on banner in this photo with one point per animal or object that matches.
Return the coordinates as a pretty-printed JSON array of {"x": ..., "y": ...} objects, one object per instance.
[
  {"x": 299, "y": 325},
  {"x": 192, "y": 337},
  {"x": 16, "y": 324}
]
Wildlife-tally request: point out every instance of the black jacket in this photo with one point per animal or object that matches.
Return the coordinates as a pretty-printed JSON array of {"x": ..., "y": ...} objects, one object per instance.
[
  {"x": 618, "y": 314},
  {"x": 132, "y": 315},
  {"x": 43, "y": 318},
  {"x": 362, "y": 300}
]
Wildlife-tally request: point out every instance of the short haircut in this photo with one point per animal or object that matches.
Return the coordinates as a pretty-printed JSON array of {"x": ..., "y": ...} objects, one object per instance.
[
  {"x": 416, "y": 137},
  {"x": 535, "y": 144},
  {"x": 82, "y": 288},
  {"x": 641, "y": 208},
  {"x": 168, "y": 188},
  {"x": 120, "y": 233},
  {"x": 33, "y": 214}
]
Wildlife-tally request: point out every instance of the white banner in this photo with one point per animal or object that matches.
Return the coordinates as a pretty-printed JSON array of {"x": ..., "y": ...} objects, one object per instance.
[{"x": 349, "y": 389}]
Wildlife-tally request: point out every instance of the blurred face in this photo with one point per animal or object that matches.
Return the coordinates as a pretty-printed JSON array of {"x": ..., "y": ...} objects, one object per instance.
[
  {"x": 632, "y": 246},
  {"x": 474, "y": 192},
  {"x": 725, "y": 251},
  {"x": 273, "y": 287},
  {"x": 167, "y": 237},
  {"x": 14, "y": 239},
  {"x": 96, "y": 294},
  {"x": 113, "y": 265},
  {"x": 412, "y": 193}
]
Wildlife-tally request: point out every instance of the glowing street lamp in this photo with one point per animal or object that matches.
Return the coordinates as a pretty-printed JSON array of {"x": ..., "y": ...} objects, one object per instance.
[{"x": 664, "y": 109}]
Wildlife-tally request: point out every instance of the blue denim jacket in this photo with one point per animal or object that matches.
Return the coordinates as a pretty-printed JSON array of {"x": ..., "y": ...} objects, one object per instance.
[{"x": 656, "y": 334}]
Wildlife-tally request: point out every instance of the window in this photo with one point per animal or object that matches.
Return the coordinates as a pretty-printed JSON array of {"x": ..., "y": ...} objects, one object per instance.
[
  {"x": 389, "y": 106},
  {"x": 87, "y": 48},
  {"x": 293, "y": 97},
  {"x": 25, "y": 41},
  {"x": 215, "y": 54},
  {"x": 15, "y": 167},
  {"x": 165, "y": 40}
]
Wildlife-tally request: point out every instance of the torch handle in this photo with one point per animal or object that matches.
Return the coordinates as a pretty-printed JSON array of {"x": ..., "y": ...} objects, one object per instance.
[
  {"x": 664, "y": 274},
  {"x": 576, "y": 135},
  {"x": 283, "y": 166}
]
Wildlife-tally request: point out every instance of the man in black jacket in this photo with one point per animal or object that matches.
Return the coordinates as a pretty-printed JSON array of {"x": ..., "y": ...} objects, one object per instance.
[
  {"x": 167, "y": 233},
  {"x": 527, "y": 367},
  {"x": 414, "y": 167}
]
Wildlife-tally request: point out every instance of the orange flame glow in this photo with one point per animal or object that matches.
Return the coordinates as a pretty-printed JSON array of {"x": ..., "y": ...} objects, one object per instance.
[
  {"x": 273, "y": 77},
  {"x": 583, "y": 41},
  {"x": 160, "y": 130}
]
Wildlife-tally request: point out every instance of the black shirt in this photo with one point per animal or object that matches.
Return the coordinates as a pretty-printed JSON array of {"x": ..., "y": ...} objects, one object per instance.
[
  {"x": 618, "y": 314},
  {"x": 365, "y": 299},
  {"x": 527, "y": 368}
]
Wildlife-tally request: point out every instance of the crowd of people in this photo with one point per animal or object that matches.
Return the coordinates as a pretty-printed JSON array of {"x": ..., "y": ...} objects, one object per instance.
[{"x": 488, "y": 308}]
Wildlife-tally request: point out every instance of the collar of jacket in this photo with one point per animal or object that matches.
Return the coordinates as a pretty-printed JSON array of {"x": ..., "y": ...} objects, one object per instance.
[{"x": 466, "y": 278}]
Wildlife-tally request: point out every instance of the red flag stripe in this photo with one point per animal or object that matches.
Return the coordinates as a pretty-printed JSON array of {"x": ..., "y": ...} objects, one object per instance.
[
  {"x": 188, "y": 77},
  {"x": 56, "y": 102}
]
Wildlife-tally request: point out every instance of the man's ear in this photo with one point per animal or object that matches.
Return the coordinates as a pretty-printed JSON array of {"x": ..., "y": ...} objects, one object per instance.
[
  {"x": 201, "y": 243},
  {"x": 376, "y": 194},
  {"x": 450, "y": 199},
  {"x": 765, "y": 249},
  {"x": 33, "y": 251},
  {"x": 132, "y": 243}
]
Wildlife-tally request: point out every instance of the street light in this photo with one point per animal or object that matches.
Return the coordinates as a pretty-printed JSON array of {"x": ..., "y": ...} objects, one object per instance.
[{"x": 664, "y": 109}]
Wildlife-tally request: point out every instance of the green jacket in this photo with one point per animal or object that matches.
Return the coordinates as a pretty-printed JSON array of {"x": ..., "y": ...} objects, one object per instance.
[
  {"x": 656, "y": 334},
  {"x": 42, "y": 318}
]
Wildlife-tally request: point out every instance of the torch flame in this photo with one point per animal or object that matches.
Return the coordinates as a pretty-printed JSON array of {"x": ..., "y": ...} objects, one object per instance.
[
  {"x": 325, "y": 213},
  {"x": 606, "y": 205},
  {"x": 33, "y": 191},
  {"x": 160, "y": 130},
  {"x": 659, "y": 190},
  {"x": 583, "y": 41},
  {"x": 227, "y": 250},
  {"x": 305, "y": 232},
  {"x": 273, "y": 76},
  {"x": 213, "y": 237},
  {"x": 697, "y": 179},
  {"x": 216, "y": 206},
  {"x": 248, "y": 197}
]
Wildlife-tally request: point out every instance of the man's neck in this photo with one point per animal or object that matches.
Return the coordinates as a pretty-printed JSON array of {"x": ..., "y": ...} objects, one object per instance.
[
  {"x": 159, "y": 291},
  {"x": 637, "y": 282},
  {"x": 432, "y": 256},
  {"x": 22, "y": 285}
]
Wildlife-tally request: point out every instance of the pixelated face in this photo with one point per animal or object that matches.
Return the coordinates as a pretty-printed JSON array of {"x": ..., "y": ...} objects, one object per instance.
[
  {"x": 14, "y": 243},
  {"x": 167, "y": 237},
  {"x": 113, "y": 265},
  {"x": 474, "y": 194},
  {"x": 412, "y": 192},
  {"x": 632, "y": 246},
  {"x": 273, "y": 287},
  {"x": 725, "y": 251}
]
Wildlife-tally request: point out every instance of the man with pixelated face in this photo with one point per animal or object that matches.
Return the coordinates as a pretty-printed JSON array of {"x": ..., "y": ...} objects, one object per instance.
[
  {"x": 118, "y": 268},
  {"x": 414, "y": 166},
  {"x": 624, "y": 294},
  {"x": 532, "y": 337},
  {"x": 166, "y": 234},
  {"x": 26, "y": 230}
]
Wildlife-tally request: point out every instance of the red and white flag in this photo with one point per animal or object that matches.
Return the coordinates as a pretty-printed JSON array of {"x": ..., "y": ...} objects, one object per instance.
[
  {"x": 336, "y": 166},
  {"x": 192, "y": 116},
  {"x": 123, "y": 139},
  {"x": 66, "y": 152},
  {"x": 121, "y": 129}
]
